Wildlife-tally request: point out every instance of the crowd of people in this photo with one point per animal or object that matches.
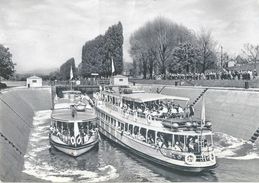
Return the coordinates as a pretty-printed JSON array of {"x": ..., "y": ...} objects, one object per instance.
[
  {"x": 213, "y": 75},
  {"x": 160, "y": 109}
]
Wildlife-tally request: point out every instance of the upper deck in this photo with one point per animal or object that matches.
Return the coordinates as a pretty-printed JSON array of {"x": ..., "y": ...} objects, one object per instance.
[
  {"x": 153, "y": 109},
  {"x": 147, "y": 97}
]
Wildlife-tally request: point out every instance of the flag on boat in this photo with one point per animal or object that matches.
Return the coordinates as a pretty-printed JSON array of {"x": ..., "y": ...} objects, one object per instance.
[
  {"x": 76, "y": 129},
  {"x": 71, "y": 73},
  {"x": 203, "y": 113},
  {"x": 113, "y": 68}
]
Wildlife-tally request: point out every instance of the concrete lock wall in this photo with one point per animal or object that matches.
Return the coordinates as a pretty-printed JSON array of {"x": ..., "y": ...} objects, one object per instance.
[
  {"x": 231, "y": 111},
  {"x": 17, "y": 107}
]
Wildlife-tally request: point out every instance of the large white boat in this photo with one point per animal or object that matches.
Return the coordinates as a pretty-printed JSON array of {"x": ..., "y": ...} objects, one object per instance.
[
  {"x": 73, "y": 124},
  {"x": 156, "y": 127}
]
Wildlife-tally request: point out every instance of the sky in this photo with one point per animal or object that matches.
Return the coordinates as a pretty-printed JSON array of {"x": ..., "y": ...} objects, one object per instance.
[{"x": 43, "y": 34}]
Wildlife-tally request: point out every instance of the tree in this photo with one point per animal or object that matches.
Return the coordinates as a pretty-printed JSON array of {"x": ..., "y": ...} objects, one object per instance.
[
  {"x": 6, "y": 64},
  {"x": 65, "y": 69},
  {"x": 251, "y": 53},
  {"x": 185, "y": 56},
  {"x": 206, "y": 46},
  {"x": 152, "y": 45},
  {"x": 97, "y": 54},
  {"x": 55, "y": 75}
]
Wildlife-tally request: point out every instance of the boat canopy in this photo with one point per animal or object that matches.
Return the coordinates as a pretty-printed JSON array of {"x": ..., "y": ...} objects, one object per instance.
[
  {"x": 146, "y": 97},
  {"x": 71, "y": 92},
  {"x": 65, "y": 115}
]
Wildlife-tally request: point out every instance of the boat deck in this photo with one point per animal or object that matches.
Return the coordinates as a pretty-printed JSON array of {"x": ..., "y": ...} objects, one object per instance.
[{"x": 66, "y": 115}]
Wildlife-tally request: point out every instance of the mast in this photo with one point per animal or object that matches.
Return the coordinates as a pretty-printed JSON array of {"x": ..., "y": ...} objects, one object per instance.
[
  {"x": 71, "y": 77},
  {"x": 113, "y": 68}
]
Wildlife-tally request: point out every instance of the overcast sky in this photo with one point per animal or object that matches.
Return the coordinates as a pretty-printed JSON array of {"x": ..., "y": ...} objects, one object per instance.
[{"x": 43, "y": 34}]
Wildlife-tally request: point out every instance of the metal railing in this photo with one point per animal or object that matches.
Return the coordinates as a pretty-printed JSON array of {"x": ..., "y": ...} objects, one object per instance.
[{"x": 148, "y": 118}]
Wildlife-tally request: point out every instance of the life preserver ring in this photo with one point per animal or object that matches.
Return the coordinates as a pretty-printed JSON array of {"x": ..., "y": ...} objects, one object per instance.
[
  {"x": 149, "y": 118},
  {"x": 190, "y": 159},
  {"x": 73, "y": 140},
  {"x": 79, "y": 140}
]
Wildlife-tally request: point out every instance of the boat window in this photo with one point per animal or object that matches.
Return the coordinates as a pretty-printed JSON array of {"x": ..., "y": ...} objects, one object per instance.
[
  {"x": 143, "y": 133},
  {"x": 119, "y": 124},
  {"x": 131, "y": 128},
  {"x": 112, "y": 121},
  {"x": 207, "y": 141},
  {"x": 151, "y": 137},
  {"x": 136, "y": 130},
  {"x": 164, "y": 139},
  {"x": 192, "y": 144},
  {"x": 71, "y": 129},
  {"x": 179, "y": 143},
  {"x": 122, "y": 126},
  {"x": 126, "y": 127}
]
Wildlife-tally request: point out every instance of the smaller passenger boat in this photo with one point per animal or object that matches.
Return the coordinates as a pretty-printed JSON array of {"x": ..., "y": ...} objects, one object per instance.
[{"x": 73, "y": 124}]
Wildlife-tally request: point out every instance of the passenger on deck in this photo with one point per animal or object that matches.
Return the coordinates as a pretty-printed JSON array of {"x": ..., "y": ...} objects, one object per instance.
[
  {"x": 187, "y": 111},
  {"x": 176, "y": 147},
  {"x": 191, "y": 111},
  {"x": 190, "y": 145},
  {"x": 180, "y": 111},
  {"x": 173, "y": 111}
]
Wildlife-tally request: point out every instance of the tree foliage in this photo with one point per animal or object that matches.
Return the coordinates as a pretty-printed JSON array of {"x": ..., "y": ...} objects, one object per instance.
[
  {"x": 65, "y": 69},
  {"x": 161, "y": 46},
  {"x": 207, "y": 53},
  {"x": 185, "y": 58},
  {"x": 6, "y": 64},
  {"x": 98, "y": 53},
  {"x": 251, "y": 53}
]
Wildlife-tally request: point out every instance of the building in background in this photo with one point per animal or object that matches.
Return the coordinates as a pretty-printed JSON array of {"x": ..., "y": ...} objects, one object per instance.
[
  {"x": 119, "y": 80},
  {"x": 34, "y": 81}
]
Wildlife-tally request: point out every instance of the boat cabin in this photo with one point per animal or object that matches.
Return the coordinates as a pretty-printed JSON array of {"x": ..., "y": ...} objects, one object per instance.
[{"x": 68, "y": 127}]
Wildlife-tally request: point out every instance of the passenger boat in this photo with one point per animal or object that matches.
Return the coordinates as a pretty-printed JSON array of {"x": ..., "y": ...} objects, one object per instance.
[
  {"x": 149, "y": 125},
  {"x": 73, "y": 124}
]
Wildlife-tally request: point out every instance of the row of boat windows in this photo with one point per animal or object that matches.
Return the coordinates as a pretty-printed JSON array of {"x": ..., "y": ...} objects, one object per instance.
[
  {"x": 68, "y": 128},
  {"x": 186, "y": 143},
  {"x": 66, "y": 131}
]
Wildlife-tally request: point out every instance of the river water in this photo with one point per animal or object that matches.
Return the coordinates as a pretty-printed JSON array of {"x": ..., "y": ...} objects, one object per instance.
[{"x": 237, "y": 161}]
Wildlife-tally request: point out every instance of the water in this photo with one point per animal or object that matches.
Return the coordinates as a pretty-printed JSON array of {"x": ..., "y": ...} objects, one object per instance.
[{"x": 237, "y": 161}]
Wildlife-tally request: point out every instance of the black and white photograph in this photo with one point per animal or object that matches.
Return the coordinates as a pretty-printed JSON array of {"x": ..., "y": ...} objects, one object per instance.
[{"x": 129, "y": 91}]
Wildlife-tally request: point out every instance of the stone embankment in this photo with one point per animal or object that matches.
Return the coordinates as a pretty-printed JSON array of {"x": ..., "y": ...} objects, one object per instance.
[{"x": 17, "y": 107}]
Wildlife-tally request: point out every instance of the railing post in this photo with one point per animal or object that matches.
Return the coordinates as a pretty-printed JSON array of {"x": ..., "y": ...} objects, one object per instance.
[{"x": 146, "y": 136}]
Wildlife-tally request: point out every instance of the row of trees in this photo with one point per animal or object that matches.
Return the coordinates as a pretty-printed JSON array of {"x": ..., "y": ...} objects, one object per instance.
[
  {"x": 162, "y": 46},
  {"x": 98, "y": 54}
]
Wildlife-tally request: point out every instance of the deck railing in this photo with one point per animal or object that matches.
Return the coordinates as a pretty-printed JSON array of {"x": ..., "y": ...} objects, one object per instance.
[{"x": 148, "y": 118}]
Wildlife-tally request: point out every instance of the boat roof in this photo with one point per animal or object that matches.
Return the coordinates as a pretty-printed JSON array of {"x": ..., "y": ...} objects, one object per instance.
[
  {"x": 72, "y": 91},
  {"x": 145, "y": 97},
  {"x": 65, "y": 115}
]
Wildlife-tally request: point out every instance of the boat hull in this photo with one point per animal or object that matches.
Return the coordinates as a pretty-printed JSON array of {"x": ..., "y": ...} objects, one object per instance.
[
  {"x": 152, "y": 159},
  {"x": 74, "y": 151}
]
